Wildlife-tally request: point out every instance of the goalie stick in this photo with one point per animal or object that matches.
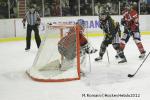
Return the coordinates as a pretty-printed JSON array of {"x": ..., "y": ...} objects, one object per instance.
[
  {"x": 107, "y": 52},
  {"x": 90, "y": 69},
  {"x": 132, "y": 75}
]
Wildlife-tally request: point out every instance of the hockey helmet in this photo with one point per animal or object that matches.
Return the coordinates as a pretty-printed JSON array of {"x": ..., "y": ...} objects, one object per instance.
[
  {"x": 103, "y": 15},
  {"x": 81, "y": 22},
  {"x": 128, "y": 6}
]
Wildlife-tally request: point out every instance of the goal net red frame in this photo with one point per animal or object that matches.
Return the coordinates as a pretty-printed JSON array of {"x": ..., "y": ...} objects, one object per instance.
[{"x": 47, "y": 66}]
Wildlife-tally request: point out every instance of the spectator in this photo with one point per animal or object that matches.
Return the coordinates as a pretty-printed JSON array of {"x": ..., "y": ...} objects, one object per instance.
[
  {"x": 65, "y": 7},
  {"x": 97, "y": 8},
  {"x": 55, "y": 9},
  {"x": 143, "y": 8},
  {"x": 46, "y": 11},
  {"x": 3, "y": 10},
  {"x": 13, "y": 4},
  {"x": 148, "y": 8},
  {"x": 86, "y": 7},
  {"x": 73, "y": 4}
]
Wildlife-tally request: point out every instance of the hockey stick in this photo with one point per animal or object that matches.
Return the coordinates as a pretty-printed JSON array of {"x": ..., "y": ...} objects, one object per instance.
[
  {"x": 90, "y": 69},
  {"x": 132, "y": 75},
  {"x": 107, "y": 52},
  {"x": 90, "y": 63},
  {"x": 108, "y": 57}
]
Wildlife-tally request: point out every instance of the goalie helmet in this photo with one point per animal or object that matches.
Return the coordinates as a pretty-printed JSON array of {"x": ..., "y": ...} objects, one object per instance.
[{"x": 81, "y": 22}]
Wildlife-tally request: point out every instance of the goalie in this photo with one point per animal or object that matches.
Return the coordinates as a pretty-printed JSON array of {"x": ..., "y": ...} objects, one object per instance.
[{"x": 67, "y": 45}]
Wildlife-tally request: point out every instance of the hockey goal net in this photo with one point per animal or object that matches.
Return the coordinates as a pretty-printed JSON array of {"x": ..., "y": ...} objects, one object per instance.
[{"x": 58, "y": 58}]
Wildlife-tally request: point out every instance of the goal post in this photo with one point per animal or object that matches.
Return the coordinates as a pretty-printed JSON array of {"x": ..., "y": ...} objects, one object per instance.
[{"x": 58, "y": 58}]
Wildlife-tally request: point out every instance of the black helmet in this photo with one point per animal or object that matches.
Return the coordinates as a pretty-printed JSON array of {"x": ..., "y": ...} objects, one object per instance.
[{"x": 104, "y": 14}]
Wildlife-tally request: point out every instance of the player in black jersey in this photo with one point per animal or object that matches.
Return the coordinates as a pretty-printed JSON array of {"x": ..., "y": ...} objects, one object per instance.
[{"x": 112, "y": 34}]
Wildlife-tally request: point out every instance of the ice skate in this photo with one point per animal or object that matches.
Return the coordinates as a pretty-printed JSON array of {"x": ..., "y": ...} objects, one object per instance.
[
  {"x": 116, "y": 56},
  {"x": 142, "y": 55},
  {"x": 123, "y": 61},
  {"x": 98, "y": 58},
  {"x": 27, "y": 49}
]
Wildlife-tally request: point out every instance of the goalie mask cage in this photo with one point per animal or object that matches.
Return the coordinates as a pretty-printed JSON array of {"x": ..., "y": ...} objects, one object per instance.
[{"x": 49, "y": 64}]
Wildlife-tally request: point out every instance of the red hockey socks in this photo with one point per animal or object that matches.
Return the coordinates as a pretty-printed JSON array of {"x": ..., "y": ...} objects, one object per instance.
[
  {"x": 140, "y": 47},
  {"x": 122, "y": 46}
]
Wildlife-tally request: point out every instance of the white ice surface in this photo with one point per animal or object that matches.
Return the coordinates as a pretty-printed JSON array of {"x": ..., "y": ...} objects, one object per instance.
[{"x": 104, "y": 78}]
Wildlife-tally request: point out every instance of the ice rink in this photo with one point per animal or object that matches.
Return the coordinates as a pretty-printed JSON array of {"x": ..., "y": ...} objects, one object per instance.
[{"x": 106, "y": 79}]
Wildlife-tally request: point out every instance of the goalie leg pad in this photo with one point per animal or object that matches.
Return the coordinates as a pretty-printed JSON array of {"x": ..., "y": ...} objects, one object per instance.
[{"x": 67, "y": 46}]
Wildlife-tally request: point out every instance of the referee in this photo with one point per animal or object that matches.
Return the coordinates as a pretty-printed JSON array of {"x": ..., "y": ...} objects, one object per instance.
[{"x": 33, "y": 21}]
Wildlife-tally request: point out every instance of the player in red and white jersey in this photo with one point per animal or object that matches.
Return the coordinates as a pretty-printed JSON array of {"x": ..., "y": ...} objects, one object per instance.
[{"x": 130, "y": 21}]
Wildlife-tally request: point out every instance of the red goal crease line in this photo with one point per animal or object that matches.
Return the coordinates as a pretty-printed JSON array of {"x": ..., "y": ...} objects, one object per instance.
[{"x": 52, "y": 80}]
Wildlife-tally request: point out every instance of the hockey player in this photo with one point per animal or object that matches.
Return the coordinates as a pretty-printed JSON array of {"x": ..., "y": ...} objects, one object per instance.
[
  {"x": 112, "y": 36},
  {"x": 70, "y": 41},
  {"x": 130, "y": 21},
  {"x": 67, "y": 46}
]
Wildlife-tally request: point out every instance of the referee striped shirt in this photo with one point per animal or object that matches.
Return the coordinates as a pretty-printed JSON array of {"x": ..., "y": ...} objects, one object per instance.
[{"x": 32, "y": 18}]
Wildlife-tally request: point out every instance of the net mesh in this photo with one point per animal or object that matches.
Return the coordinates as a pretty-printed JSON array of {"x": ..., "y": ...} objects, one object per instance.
[{"x": 58, "y": 56}]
